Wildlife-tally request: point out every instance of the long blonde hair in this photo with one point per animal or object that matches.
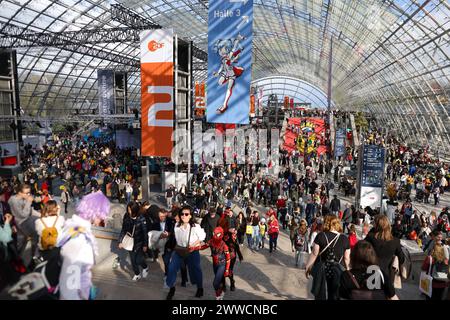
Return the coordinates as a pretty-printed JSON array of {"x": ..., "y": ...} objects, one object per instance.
[
  {"x": 332, "y": 223},
  {"x": 382, "y": 228},
  {"x": 438, "y": 253}
]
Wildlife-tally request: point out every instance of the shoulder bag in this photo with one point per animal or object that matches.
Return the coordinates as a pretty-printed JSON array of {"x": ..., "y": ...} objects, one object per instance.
[
  {"x": 364, "y": 294},
  {"x": 426, "y": 281},
  {"x": 184, "y": 251},
  {"x": 128, "y": 240}
]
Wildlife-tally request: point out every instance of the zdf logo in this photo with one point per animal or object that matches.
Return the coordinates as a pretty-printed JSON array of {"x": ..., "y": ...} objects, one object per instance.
[{"x": 153, "y": 45}]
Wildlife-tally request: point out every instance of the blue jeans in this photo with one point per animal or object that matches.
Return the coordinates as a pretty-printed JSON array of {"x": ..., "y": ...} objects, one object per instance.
[
  {"x": 193, "y": 263},
  {"x": 249, "y": 240},
  {"x": 219, "y": 271},
  {"x": 273, "y": 241}
]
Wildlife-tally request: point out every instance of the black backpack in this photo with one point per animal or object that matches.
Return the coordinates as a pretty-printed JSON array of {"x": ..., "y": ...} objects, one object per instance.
[{"x": 333, "y": 266}]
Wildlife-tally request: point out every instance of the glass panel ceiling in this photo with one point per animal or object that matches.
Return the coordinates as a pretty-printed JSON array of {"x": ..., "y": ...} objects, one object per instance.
[{"x": 390, "y": 57}]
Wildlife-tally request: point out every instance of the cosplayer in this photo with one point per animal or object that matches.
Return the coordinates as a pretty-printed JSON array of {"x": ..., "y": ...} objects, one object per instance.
[
  {"x": 78, "y": 247},
  {"x": 221, "y": 260},
  {"x": 230, "y": 239},
  {"x": 229, "y": 51}
]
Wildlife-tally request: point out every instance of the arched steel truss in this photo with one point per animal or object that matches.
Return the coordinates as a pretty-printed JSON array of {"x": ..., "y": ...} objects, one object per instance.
[{"x": 390, "y": 58}]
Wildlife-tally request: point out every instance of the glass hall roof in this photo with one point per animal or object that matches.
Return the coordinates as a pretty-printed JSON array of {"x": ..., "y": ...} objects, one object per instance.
[{"x": 390, "y": 57}]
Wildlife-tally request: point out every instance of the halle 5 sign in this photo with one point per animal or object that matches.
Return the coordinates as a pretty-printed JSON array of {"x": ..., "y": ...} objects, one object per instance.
[{"x": 229, "y": 61}]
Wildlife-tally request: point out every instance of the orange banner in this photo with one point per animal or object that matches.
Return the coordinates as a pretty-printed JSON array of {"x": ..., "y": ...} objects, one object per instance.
[
  {"x": 157, "y": 92},
  {"x": 200, "y": 100},
  {"x": 252, "y": 105}
]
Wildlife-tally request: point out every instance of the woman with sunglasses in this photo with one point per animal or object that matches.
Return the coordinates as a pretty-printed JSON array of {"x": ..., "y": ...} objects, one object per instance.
[{"x": 188, "y": 235}]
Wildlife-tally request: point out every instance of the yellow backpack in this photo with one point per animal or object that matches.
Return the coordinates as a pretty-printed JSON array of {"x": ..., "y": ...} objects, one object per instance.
[
  {"x": 49, "y": 236},
  {"x": 249, "y": 229}
]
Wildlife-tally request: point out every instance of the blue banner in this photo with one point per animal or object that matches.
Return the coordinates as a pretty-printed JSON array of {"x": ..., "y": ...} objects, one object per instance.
[
  {"x": 230, "y": 38},
  {"x": 339, "y": 146},
  {"x": 372, "y": 166},
  {"x": 106, "y": 99}
]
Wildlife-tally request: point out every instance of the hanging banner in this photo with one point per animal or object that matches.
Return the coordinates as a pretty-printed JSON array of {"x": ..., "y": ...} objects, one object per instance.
[
  {"x": 372, "y": 176},
  {"x": 200, "y": 100},
  {"x": 157, "y": 92},
  {"x": 230, "y": 37},
  {"x": 291, "y": 103},
  {"x": 252, "y": 105},
  {"x": 286, "y": 103},
  {"x": 260, "y": 104},
  {"x": 106, "y": 100},
  {"x": 339, "y": 149}
]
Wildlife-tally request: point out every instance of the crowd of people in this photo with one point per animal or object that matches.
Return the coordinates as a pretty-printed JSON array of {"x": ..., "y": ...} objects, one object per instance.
[{"x": 222, "y": 210}]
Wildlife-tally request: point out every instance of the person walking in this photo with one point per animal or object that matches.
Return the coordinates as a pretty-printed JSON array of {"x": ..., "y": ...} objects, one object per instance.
[
  {"x": 436, "y": 265},
  {"x": 332, "y": 249},
  {"x": 347, "y": 217},
  {"x": 335, "y": 205},
  {"x": 301, "y": 243},
  {"x": 78, "y": 247},
  {"x": 188, "y": 235},
  {"x": 356, "y": 283},
  {"x": 209, "y": 222},
  {"x": 386, "y": 246},
  {"x": 274, "y": 230},
  {"x": 65, "y": 198},
  {"x": 135, "y": 226}
]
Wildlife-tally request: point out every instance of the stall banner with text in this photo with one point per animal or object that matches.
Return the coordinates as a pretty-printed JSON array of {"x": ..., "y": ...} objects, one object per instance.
[
  {"x": 157, "y": 92},
  {"x": 229, "y": 61}
]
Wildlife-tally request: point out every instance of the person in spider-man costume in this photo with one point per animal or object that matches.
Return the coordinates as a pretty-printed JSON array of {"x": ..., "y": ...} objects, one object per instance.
[
  {"x": 221, "y": 260},
  {"x": 230, "y": 239}
]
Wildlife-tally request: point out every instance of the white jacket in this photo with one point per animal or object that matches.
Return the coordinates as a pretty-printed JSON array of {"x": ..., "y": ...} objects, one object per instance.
[{"x": 78, "y": 255}]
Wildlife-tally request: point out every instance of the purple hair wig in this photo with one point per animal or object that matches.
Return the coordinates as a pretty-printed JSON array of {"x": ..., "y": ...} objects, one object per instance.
[{"x": 94, "y": 206}]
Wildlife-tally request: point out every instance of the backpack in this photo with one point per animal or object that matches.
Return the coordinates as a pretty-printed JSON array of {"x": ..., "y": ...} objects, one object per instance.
[
  {"x": 49, "y": 236},
  {"x": 332, "y": 265},
  {"x": 299, "y": 242}
]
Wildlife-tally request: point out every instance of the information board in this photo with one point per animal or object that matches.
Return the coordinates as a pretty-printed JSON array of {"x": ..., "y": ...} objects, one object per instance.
[
  {"x": 372, "y": 166},
  {"x": 372, "y": 176}
]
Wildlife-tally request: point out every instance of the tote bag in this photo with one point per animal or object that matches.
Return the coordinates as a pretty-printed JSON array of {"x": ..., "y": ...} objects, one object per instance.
[
  {"x": 128, "y": 241},
  {"x": 426, "y": 281}
]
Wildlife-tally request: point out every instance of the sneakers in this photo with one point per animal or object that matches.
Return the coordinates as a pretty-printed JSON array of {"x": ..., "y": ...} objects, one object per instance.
[
  {"x": 145, "y": 273},
  {"x": 136, "y": 278},
  {"x": 219, "y": 295},
  {"x": 116, "y": 263}
]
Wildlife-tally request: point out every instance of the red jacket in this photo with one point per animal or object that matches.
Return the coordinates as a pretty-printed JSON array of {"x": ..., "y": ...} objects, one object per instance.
[
  {"x": 274, "y": 227},
  {"x": 353, "y": 240},
  {"x": 281, "y": 203}
]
